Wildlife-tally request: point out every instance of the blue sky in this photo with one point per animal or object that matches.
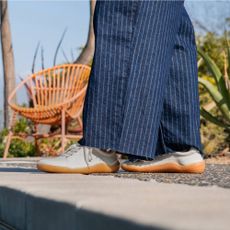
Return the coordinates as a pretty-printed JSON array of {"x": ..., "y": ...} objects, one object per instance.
[
  {"x": 45, "y": 21},
  {"x": 33, "y": 21}
]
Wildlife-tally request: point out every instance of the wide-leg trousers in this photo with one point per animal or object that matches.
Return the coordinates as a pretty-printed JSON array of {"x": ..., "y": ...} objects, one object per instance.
[{"x": 142, "y": 97}]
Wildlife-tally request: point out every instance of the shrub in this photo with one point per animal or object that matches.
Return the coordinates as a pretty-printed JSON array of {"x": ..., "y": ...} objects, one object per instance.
[
  {"x": 19, "y": 147},
  {"x": 214, "y": 73}
]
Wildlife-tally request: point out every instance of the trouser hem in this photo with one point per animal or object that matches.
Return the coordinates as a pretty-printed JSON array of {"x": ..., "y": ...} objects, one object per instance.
[{"x": 126, "y": 152}]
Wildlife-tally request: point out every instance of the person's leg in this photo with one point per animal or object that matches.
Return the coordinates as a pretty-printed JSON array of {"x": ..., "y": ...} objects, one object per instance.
[
  {"x": 134, "y": 47},
  {"x": 124, "y": 103},
  {"x": 113, "y": 25},
  {"x": 180, "y": 119},
  {"x": 178, "y": 146}
]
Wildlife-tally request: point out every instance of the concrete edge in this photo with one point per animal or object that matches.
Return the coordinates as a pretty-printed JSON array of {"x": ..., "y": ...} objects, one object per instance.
[{"x": 24, "y": 211}]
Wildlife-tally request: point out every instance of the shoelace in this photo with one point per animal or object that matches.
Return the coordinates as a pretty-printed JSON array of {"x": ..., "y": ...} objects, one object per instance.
[{"x": 75, "y": 148}]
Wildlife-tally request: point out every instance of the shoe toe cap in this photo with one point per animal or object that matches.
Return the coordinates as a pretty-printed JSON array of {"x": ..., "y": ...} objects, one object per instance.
[{"x": 54, "y": 161}]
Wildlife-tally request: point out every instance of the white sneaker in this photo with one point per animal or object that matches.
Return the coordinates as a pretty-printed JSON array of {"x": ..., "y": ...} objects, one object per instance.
[
  {"x": 81, "y": 159},
  {"x": 177, "y": 162}
]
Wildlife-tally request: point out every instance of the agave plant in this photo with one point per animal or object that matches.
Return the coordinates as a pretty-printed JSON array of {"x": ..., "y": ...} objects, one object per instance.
[{"x": 219, "y": 91}]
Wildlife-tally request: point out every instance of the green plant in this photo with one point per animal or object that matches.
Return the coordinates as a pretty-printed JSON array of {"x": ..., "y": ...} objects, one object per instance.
[
  {"x": 22, "y": 126},
  {"x": 3, "y": 134},
  {"x": 52, "y": 146},
  {"x": 219, "y": 90},
  {"x": 18, "y": 147}
]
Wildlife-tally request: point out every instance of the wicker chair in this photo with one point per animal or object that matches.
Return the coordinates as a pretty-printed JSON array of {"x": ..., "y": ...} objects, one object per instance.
[{"x": 57, "y": 96}]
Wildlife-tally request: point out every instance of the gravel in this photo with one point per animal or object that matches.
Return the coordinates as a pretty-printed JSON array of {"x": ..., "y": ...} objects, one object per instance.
[{"x": 215, "y": 175}]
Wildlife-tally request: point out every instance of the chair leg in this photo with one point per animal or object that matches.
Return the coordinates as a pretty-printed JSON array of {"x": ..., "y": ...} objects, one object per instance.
[
  {"x": 63, "y": 131},
  {"x": 79, "y": 119},
  {"x": 9, "y": 136},
  {"x": 36, "y": 139},
  {"x": 80, "y": 122}
]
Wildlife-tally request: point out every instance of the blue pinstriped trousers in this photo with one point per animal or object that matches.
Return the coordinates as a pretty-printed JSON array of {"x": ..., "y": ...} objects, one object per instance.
[{"x": 142, "y": 97}]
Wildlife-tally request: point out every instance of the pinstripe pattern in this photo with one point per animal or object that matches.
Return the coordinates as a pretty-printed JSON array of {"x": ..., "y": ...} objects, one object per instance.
[
  {"x": 142, "y": 97},
  {"x": 180, "y": 119}
]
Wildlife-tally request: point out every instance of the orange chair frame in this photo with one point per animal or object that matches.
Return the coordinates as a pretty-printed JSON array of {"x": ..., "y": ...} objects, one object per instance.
[{"x": 57, "y": 95}]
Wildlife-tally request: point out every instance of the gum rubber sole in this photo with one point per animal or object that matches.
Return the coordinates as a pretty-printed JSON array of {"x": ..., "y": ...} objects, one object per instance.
[
  {"x": 99, "y": 168},
  {"x": 166, "y": 168}
]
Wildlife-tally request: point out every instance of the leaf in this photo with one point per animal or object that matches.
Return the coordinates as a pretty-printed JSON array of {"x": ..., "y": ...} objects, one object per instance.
[
  {"x": 228, "y": 53},
  {"x": 213, "y": 68},
  {"x": 219, "y": 78},
  {"x": 208, "y": 116},
  {"x": 217, "y": 97}
]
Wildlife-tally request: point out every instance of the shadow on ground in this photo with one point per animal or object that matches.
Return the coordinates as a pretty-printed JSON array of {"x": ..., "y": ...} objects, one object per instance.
[{"x": 32, "y": 212}]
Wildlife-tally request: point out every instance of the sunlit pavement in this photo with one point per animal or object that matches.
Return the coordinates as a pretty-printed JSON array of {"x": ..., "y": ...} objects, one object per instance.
[{"x": 30, "y": 199}]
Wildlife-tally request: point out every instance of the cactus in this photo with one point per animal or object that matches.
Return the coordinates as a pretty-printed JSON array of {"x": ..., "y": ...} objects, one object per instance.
[{"x": 219, "y": 91}]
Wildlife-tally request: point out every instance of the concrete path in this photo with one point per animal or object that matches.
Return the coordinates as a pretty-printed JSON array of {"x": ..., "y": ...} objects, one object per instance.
[{"x": 32, "y": 200}]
